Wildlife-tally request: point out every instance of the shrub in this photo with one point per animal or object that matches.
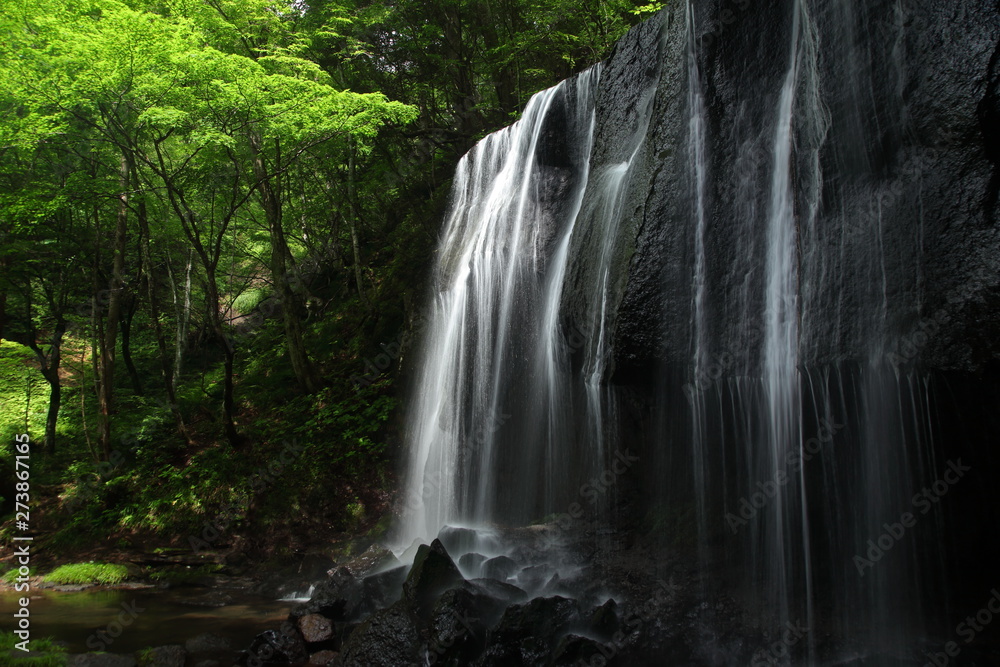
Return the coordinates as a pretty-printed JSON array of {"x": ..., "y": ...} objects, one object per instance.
[{"x": 54, "y": 654}]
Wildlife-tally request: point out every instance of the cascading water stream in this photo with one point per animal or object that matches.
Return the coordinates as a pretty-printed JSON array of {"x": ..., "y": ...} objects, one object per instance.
[
  {"x": 603, "y": 213},
  {"x": 493, "y": 352},
  {"x": 698, "y": 159},
  {"x": 781, "y": 325}
]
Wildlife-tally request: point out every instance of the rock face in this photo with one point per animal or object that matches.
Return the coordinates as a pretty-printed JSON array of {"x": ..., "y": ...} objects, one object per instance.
[
  {"x": 895, "y": 147},
  {"x": 763, "y": 278}
]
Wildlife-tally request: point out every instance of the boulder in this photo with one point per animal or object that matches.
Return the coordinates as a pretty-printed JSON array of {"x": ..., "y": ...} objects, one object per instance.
[
  {"x": 547, "y": 618},
  {"x": 387, "y": 637},
  {"x": 458, "y": 541},
  {"x": 534, "y": 577},
  {"x": 339, "y": 598},
  {"x": 458, "y": 627},
  {"x": 471, "y": 563},
  {"x": 433, "y": 572},
  {"x": 529, "y": 634},
  {"x": 576, "y": 650},
  {"x": 315, "y": 628},
  {"x": 276, "y": 647},
  {"x": 506, "y": 593},
  {"x": 383, "y": 588},
  {"x": 375, "y": 559},
  {"x": 500, "y": 568},
  {"x": 605, "y": 621},
  {"x": 462, "y": 617}
]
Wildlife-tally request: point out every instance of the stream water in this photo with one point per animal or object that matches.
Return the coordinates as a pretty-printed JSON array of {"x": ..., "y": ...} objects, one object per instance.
[{"x": 146, "y": 617}]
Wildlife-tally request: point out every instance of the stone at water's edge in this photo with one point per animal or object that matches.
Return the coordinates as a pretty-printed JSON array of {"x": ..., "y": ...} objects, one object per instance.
[
  {"x": 340, "y": 598},
  {"x": 432, "y": 573},
  {"x": 277, "y": 647},
  {"x": 315, "y": 628}
]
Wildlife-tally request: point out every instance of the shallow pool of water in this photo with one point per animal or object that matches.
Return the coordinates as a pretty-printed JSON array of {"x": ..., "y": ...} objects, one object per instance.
[{"x": 123, "y": 621}]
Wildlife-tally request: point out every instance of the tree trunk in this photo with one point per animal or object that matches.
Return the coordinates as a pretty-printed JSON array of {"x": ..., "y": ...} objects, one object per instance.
[
  {"x": 105, "y": 399},
  {"x": 281, "y": 257},
  {"x": 209, "y": 259},
  {"x": 229, "y": 352},
  {"x": 166, "y": 368},
  {"x": 182, "y": 311},
  {"x": 504, "y": 76},
  {"x": 352, "y": 217},
  {"x": 4, "y": 263},
  {"x": 49, "y": 363},
  {"x": 52, "y": 417},
  {"x": 128, "y": 312}
]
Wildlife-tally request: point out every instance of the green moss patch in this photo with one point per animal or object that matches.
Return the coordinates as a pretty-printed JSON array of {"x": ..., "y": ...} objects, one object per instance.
[{"x": 88, "y": 573}]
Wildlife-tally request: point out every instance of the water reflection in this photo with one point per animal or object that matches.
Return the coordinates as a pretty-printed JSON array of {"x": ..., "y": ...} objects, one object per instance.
[{"x": 123, "y": 621}]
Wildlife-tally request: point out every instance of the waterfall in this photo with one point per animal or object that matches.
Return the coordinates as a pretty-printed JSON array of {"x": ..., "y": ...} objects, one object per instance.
[
  {"x": 700, "y": 250},
  {"x": 491, "y": 382},
  {"x": 698, "y": 166},
  {"x": 781, "y": 324}
]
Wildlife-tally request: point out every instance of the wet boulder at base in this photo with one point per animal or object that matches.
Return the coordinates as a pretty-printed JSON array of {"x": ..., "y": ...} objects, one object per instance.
[
  {"x": 387, "y": 637},
  {"x": 272, "y": 648},
  {"x": 432, "y": 573}
]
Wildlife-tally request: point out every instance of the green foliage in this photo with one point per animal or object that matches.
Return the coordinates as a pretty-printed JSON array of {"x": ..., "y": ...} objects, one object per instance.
[
  {"x": 24, "y": 394},
  {"x": 236, "y": 140},
  {"x": 48, "y": 652},
  {"x": 11, "y": 576},
  {"x": 88, "y": 573}
]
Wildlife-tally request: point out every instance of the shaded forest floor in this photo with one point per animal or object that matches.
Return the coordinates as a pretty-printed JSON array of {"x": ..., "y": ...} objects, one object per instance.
[{"x": 311, "y": 470}]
